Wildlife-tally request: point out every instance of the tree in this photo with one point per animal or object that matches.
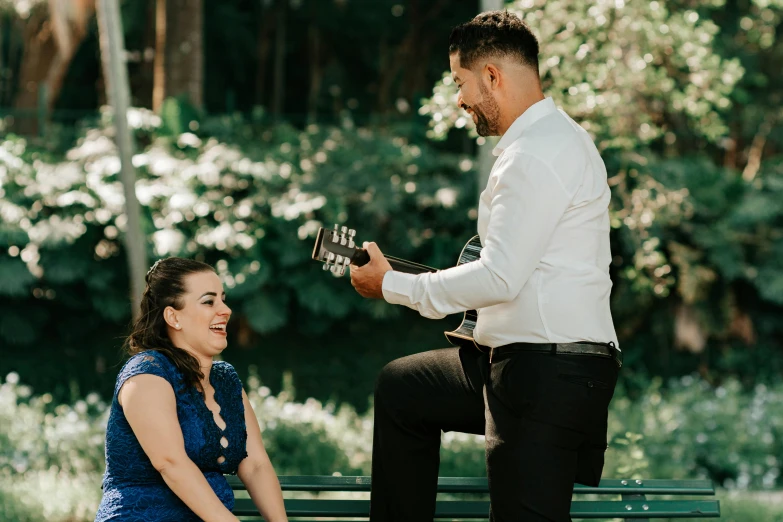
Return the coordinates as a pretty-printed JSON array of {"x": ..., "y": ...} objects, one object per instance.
[
  {"x": 52, "y": 32},
  {"x": 179, "y": 53}
]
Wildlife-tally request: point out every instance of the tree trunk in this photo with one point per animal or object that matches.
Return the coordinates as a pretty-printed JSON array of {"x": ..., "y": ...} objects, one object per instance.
[
  {"x": 2, "y": 61},
  {"x": 51, "y": 39},
  {"x": 263, "y": 46},
  {"x": 179, "y": 52},
  {"x": 278, "y": 96},
  {"x": 316, "y": 72},
  {"x": 12, "y": 56},
  {"x": 407, "y": 52},
  {"x": 115, "y": 72}
]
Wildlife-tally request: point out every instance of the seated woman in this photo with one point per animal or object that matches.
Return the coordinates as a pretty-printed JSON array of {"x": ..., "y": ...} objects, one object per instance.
[{"x": 178, "y": 420}]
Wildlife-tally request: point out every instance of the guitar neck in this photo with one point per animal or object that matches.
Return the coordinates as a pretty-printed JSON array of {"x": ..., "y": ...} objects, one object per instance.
[
  {"x": 400, "y": 265},
  {"x": 409, "y": 267}
]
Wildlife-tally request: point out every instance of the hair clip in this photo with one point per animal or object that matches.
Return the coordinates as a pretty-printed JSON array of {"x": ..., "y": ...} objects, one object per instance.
[{"x": 154, "y": 266}]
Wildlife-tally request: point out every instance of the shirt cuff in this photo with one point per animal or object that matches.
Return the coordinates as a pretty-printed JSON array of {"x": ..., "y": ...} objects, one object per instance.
[{"x": 397, "y": 287}]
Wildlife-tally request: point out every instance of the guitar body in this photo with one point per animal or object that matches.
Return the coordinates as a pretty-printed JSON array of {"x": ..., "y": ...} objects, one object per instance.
[{"x": 463, "y": 335}]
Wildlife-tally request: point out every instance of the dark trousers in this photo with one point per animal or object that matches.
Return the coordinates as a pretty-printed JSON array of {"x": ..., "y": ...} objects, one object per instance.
[{"x": 543, "y": 415}]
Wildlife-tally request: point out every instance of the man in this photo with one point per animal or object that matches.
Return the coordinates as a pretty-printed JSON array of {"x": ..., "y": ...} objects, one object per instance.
[{"x": 541, "y": 288}]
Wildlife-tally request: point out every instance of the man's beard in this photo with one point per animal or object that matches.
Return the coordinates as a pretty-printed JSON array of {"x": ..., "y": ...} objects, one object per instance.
[{"x": 487, "y": 114}]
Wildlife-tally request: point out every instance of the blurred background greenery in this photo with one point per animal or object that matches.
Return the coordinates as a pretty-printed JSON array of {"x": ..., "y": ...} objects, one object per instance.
[{"x": 270, "y": 118}]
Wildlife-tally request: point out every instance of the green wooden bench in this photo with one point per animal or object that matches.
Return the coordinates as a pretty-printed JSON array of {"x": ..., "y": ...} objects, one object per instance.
[{"x": 630, "y": 499}]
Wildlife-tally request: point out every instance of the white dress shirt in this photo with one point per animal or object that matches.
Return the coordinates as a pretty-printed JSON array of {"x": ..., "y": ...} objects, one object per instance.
[{"x": 543, "y": 274}]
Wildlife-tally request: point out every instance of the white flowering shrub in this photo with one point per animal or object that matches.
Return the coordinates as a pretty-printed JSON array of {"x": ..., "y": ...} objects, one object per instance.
[
  {"x": 51, "y": 456},
  {"x": 619, "y": 68}
]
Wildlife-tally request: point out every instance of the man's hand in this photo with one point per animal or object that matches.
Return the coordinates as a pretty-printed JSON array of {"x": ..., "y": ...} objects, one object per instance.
[{"x": 368, "y": 279}]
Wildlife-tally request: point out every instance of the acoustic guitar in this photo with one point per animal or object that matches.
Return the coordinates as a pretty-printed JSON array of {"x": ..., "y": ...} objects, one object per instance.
[{"x": 336, "y": 249}]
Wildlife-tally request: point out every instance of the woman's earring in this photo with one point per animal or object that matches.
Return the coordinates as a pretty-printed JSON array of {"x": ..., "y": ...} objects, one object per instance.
[{"x": 176, "y": 326}]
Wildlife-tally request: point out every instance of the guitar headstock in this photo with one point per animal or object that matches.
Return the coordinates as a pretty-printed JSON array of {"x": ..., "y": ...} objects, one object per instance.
[{"x": 335, "y": 248}]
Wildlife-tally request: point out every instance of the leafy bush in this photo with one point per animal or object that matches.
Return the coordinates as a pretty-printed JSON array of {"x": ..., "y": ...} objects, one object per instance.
[
  {"x": 696, "y": 244},
  {"x": 629, "y": 72},
  {"x": 51, "y": 456},
  {"x": 688, "y": 430},
  {"x": 696, "y": 267},
  {"x": 250, "y": 206},
  {"x": 695, "y": 430},
  {"x": 745, "y": 507}
]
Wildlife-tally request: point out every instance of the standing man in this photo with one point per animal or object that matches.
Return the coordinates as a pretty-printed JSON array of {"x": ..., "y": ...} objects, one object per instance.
[{"x": 541, "y": 288}]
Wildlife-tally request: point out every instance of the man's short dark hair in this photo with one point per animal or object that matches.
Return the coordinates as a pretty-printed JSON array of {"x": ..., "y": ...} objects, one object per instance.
[{"x": 494, "y": 33}]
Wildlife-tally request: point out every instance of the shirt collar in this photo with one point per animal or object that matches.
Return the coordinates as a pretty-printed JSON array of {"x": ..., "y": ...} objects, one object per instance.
[{"x": 533, "y": 113}]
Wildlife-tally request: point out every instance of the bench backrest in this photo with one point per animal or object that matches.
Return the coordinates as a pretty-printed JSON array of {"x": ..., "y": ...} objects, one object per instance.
[{"x": 633, "y": 503}]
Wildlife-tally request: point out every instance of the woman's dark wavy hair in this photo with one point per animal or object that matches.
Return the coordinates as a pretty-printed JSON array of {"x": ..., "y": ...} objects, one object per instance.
[{"x": 165, "y": 287}]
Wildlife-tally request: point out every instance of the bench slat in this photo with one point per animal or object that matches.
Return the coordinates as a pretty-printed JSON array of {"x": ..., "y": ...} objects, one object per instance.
[
  {"x": 479, "y": 485},
  {"x": 480, "y": 509},
  {"x": 648, "y": 487}
]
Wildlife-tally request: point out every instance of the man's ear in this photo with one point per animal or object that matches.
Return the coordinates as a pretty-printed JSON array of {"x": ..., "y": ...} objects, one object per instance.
[{"x": 493, "y": 75}]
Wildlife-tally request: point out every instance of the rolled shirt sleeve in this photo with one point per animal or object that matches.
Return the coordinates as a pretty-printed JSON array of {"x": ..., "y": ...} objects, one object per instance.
[{"x": 526, "y": 201}]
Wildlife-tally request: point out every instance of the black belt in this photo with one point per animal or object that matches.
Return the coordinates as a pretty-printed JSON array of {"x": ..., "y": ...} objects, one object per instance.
[{"x": 578, "y": 348}]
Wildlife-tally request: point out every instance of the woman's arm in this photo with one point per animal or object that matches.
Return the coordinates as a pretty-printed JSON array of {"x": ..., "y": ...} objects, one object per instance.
[
  {"x": 257, "y": 473},
  {"x": 151, "y": 409}
]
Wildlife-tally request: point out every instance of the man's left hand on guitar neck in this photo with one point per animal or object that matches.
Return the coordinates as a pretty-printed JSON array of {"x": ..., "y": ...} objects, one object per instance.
[{"x": 368, "y": 279}]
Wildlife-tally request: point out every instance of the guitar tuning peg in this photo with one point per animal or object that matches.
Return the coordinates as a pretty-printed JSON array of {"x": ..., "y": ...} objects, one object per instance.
[
  {"x": 336, "y": 270},
  {"x": 325, "y": 267},
  {"x": 343, "y": 239},
  {"x": 351, "y": 234},
  {"x": 336, "y": 233}
]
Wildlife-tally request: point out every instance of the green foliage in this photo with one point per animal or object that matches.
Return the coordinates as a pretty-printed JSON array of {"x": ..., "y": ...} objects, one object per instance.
[
  {"x": 684, "y": 101},
  {"x": 688, "y": 430},
  {"x": 694, "y": 430},
  {"x": 310, "y": 438},
  {"x": 38, "y": 435},
  {"x": 16, "y": 278},
  {"x": 251, "y": 207},
  {"x": 51, "y": 448},
  {"x": 14, "y": 510},
  {"x": 696, "y": 267},
  {"x": 178, "y": 116},
  {"x": 620, "y": 69},
  {"x": 697, "y": 254},
  {"x": 744, "y": 507}
]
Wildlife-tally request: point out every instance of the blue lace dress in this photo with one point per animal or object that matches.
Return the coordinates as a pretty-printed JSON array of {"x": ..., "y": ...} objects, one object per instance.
[{"x": 133, "y": 491}]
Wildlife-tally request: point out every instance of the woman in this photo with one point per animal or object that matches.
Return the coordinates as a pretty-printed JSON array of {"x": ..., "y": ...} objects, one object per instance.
[{"x": 178, "y": 420}]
